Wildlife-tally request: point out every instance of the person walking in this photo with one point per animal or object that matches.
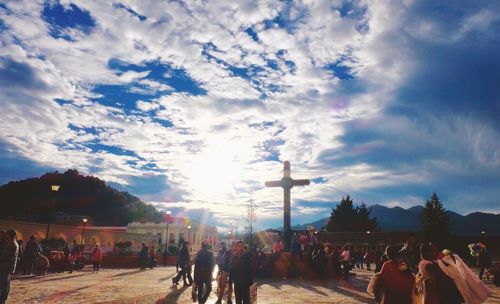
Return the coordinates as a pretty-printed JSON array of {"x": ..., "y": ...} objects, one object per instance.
[
  {"x": 96, "y": 258},
  {"x": 8, "y": 261},
  {"x": 241, "y": 274},
  {"x": 220, "y": 257},
  {"x": 203, "y": 268},
  {"x": 184, "y": 263},
  {"x": 225, "y": 279}
]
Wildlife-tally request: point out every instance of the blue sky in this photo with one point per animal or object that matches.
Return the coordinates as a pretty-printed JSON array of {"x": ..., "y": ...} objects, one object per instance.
[{"x": 192, "y": 106}]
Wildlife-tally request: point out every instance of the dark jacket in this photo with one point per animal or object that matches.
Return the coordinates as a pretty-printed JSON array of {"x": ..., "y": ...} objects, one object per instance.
[
  {"x": 203, "y": 266},
  {"x": 31, "y": 249},
  {"x": 241, "y": 270},
  {"x": 228, "y": 259},
  {"x": 183, "y": 258},
  {"x": 143, "y": 254}
]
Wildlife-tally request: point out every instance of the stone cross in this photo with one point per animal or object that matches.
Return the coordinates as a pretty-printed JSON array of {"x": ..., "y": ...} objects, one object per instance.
[{"x": 287, "y": 183}]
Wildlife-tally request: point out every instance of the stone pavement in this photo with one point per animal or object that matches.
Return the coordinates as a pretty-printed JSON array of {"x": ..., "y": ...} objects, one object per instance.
[{"x": 155, "y": 286}]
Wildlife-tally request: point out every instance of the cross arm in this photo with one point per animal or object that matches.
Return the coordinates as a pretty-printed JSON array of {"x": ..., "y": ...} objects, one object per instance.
[
  {"x": 301, "y": 182},
  {"x": 273, "y": 184}
]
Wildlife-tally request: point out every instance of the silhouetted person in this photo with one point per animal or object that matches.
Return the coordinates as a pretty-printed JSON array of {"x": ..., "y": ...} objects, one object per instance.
[
  {"x": 8, "y": 261},
  {"x": 220, "y": 257},
  {"x": 319, "y": 260},
  {"x": 143, "y": 256},
  {"x": 225, "y": 279},
  {"x": 30, "y": 253},
  {"x": 96, "y": 258},
  {"x": 184, "y": 261},
  {"x": 42, "y": 264},
  {"x": 410, "y": 253},
  {"x": 484, "y": 262},
  {"x": 296, "y": 255},
  {"x": 368, "y": 259},
  {"x": 241, "y": 274},
  {"x": 165, "y": 256},
  {"x": 203, "y": 268}
]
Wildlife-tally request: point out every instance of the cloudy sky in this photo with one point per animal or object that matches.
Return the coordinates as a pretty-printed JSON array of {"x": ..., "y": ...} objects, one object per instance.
[{"x": 192, "y": 106}]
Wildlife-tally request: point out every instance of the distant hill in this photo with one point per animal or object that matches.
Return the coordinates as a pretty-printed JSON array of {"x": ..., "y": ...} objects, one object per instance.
[
  {"x": 78, "y": 195},
  {"x": 400, "y": 219}
]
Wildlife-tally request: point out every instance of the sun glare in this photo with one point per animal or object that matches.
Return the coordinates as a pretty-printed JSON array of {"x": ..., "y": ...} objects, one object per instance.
[{"x": 216, "y": 170}]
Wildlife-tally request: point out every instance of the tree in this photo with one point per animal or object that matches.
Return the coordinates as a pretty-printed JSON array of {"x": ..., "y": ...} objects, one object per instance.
[
  {"x": 31, "y": 200},
  {"x": 364, "y": 222},
  {"x": 53, "y": 243},
  {"x": 435, "y": 221},
  {"x": 123, "y": 247},
  {"x": 251, "y": 220},
  {"x": 346, "y": 217}
]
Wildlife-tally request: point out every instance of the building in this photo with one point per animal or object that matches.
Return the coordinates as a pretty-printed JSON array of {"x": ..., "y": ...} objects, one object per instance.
[
  {"x": 106, "y": 237},
  {"x": 176, "y": 228}
]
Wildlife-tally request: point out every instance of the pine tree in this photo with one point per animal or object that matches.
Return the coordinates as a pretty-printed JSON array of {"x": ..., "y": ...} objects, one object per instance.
[
  {"x": 364, "y": 222},
  {"x": 435, "y": 221},
  {"x": 346, "y": 217}
]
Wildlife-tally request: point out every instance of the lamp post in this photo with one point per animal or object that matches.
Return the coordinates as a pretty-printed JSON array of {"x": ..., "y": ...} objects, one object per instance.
[
  {"x": 167, "y": 239},
  {"x": 83, "y": 233},
  {"x": 54, "y": 189},
  {"x": 189, "y": 234}
]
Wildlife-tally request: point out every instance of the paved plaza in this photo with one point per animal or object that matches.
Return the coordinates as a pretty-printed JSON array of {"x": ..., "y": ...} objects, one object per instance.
[{"x": 155, "y": 286}]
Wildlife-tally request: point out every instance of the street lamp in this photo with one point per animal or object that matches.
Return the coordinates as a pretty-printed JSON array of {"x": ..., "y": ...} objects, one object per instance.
[
  {"x": 54, "y": 189},
  {"x": 83, "y": 232},
  {"x": 189, "y": 234},
  {"x": 167, "y": 239}
]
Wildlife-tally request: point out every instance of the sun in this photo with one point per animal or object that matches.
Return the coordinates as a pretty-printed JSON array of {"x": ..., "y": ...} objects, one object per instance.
[{"x": 216, "y": 169}]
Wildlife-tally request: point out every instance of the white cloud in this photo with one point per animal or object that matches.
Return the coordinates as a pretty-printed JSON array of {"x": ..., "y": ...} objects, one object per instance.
[{"x": 211, "y": 155}]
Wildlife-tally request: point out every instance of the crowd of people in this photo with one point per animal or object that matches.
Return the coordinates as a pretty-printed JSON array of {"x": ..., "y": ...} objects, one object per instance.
[
  {"x": 324, "y": 255},
  {"x": 31, "y": 259},
  {"x": 422, "y": 273},
  {"x": 408, "y": 273},
  {"x": 236, "y": 269}
]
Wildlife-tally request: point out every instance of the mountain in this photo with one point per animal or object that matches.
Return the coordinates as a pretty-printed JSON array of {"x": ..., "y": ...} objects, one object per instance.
[
  {"x": 318, "y": 225},
  {"x": 78, "y": 195},
  {"x": 400, "y": 219}
]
